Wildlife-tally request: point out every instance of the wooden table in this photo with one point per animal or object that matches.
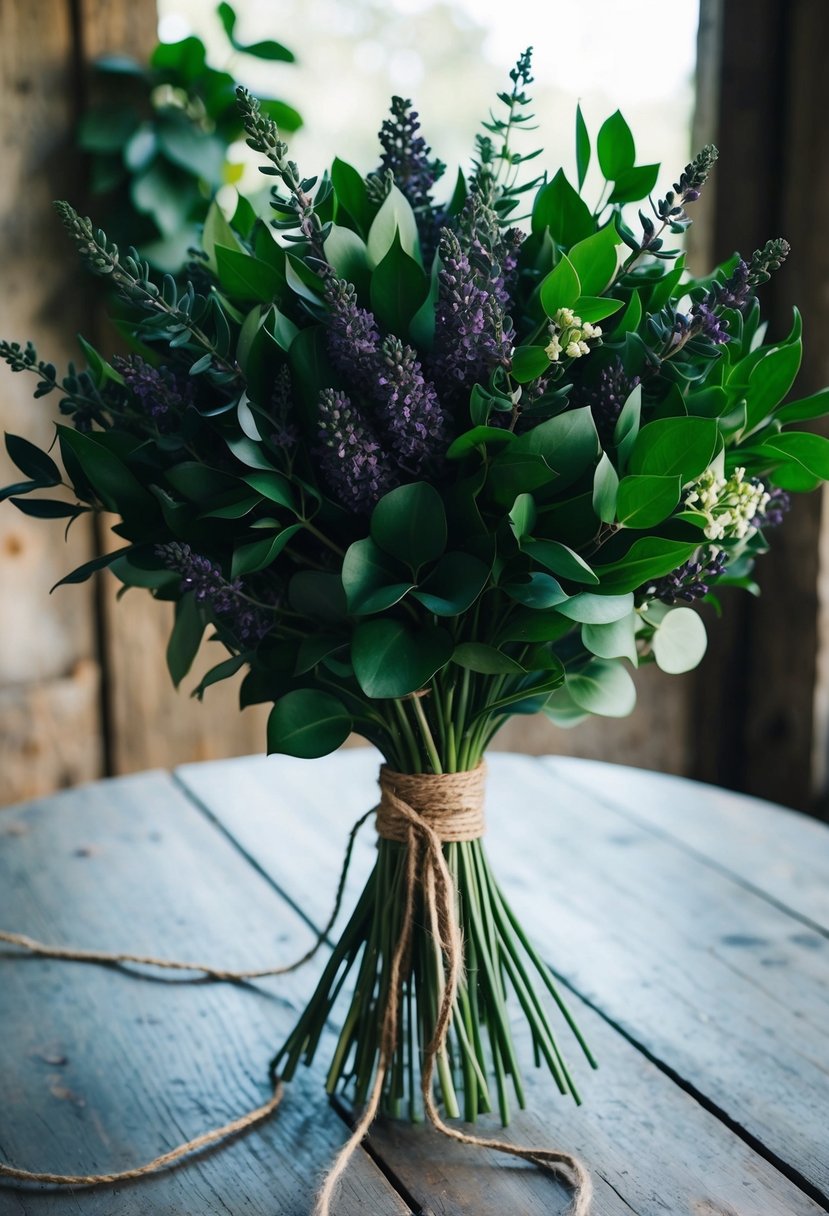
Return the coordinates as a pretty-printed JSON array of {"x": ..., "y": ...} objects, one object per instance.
[{"x": 689, "y": 924}]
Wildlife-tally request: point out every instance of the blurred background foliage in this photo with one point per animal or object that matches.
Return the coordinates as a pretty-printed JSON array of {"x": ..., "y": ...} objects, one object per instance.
[{"x": 160, "y": 136}]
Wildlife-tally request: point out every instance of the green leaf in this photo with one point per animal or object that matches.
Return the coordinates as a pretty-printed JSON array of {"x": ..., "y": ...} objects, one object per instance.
[
  {"x": 485, "y": 660},
  {"x": 648, "y": 558},
  {"x": 615, "y": 640},
  {"x": 538, "y": 590},
  {"x": 561, "y": 288},
  {"x": 315, "y": 648},
  {"x": 391, "y": 660},
  {"x": 245, "y": 277},
  {"x": 582, "y": 147},
  {"x": 680, "y": 641},
  {"x": 395, "y": 217},
  {"x": 626, "y": 429},
  {"x": 217, "y": 231},
  {"x": 683, "y": 446},
  {"x": 522, "y": 516},
  {"x": 307, "y": 723},
  {"x": 82, "y": 573},
  {"x": 615, "y": 147},
  {"x": 48, "y": 508},
  {"x": 643, "y": 502},
  {"x": 595, "y": 260},
  {"x": 476, "y": 437},
  {"x": 512, "y": 473},
  {"x": 596, "y": 308},
  {"x": 559, "y": 208},
  {"x": 770, "y": 381},
  {"x": 569, "y": 443},
  {"x": 191, "y": 148},
  {"x": 605, "y": 489},
  {"x": 372, "y": 580},
  {"x": 631, "y": 317},
  {"x": 222, "y": 671},
  {"x": 186, "y": 637},
  {"x": 816, "y": 406},
  {"x": 410, "y": 524},
  {"x": 259, "y": 554},
  {"x": 562, "y": 560},
  {"x": 528, "y": 363},
  {"x": 348, "y": 255},
  {"x": 453, "y": 585},
  {"x": 603, "y": 688},
  {"x": 32, "y": 461},
  {"x": 117, "y": 487},
  {"x": 272, "y": 486},
  {"x": 800, "y": 447},
  {"x": 632, "y": 184},
  {"x": 351, "y": 193},
  {"x": 588, "y": 608},
  {"x": 274, "y": 52},
  {"x": 398, "y": 289}
]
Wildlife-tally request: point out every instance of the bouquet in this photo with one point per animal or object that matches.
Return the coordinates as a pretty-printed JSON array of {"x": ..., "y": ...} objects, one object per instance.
[{"x": 418, "y": 466}]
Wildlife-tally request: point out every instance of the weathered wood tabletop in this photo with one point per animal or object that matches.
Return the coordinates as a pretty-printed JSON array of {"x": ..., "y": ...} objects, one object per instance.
[{"x": 689, "y": 924}]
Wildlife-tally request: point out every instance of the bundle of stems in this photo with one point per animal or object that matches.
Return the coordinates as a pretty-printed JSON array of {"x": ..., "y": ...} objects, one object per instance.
[{"x": 478, "y": 1067}]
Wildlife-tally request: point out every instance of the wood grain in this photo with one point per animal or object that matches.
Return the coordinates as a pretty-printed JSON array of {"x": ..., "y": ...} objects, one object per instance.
[
  {"x": 104, "y": 1068},
  {"x": 782, "y": 854},
  {"x": 45, "y": 644},
  {"x": 711, "y": 980}
]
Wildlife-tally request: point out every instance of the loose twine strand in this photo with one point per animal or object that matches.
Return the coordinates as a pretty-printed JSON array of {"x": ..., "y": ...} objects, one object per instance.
[{"x": 423, "y": 811}]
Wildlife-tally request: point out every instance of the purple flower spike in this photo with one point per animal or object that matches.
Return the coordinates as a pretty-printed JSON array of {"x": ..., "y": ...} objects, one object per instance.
[
  {"x": 408, "y": 409},
  {"x": 225, "y": 599},
  {"x": 353, "y": 336},
  {"x": 158, "y": 392},
  {"x": 355, "y": 466}
]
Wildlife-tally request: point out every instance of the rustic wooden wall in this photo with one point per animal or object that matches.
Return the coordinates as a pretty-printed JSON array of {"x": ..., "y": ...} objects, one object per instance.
[
  {"x": 761, "y": 700},
  {"x": 49, "y": 677}
]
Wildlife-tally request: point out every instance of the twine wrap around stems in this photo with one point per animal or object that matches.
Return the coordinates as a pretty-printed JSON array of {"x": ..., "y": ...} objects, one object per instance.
[{"x": 422, "y": 811}]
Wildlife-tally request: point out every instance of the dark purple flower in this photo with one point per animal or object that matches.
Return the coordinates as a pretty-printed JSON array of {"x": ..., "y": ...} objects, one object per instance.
[
  {"x": 353, "y": 336},
  {"x": 775, "y": 510},
  {"x": 285, "y": 433},
  {"x": 607, "y": 398},
  {"x": 408, "y": 409},
  {"x": 159, "y": 393},
  {"x": 357, "y": 469},
  {"x": 225, "y": 599},
  {"x": 709, "y": 324},
  {"x": 472, "y": 333},
  {"x": 406, "y": 154},
  {"x": 689, "y": 582}
]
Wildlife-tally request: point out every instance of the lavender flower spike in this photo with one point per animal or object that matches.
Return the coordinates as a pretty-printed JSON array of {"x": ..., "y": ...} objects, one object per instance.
[
  {"x": 470, "y": 334},
  {"x": 406, "y": 154},
  {"x": 157, "y": 391},
  {"x": 353, "y": 463},
  {"x": 408, "y": 408},
  {"x": 225, "y": 599},
  {"x": 353, "y": 336}
]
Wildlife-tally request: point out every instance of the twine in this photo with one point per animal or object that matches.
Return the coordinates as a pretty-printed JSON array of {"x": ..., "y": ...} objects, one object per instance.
[{"x": 422, "y": 811}]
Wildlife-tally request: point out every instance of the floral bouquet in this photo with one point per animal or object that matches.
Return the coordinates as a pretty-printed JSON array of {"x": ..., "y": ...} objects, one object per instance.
[{"x": 419, "y": 466}]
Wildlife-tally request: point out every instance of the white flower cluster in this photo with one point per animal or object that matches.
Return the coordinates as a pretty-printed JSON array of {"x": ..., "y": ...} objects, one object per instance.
[
  {"x": 729, "y": 504},
  {"x": 569, "y": 335}
]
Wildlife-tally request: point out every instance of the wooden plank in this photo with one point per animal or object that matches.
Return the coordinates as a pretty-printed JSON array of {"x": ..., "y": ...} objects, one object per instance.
[
  {"x": 783, "y": 854},
  {"x": 690, "y": 964},
  {"x": 104, "y": 1068},
  {"x": 42, "y": 640}
]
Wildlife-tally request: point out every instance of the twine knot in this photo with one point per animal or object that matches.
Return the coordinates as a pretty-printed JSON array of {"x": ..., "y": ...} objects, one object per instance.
[{"x": 452, "y": 804}]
